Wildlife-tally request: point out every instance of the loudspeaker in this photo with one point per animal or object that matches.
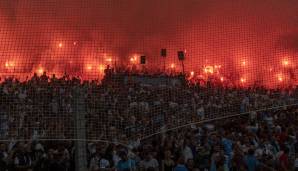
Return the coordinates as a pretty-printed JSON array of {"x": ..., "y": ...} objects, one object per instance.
[
  {"x": 143, "y": 60},
  {"x": 181, "y": 55},
  {"x": 163, "y": 52}
]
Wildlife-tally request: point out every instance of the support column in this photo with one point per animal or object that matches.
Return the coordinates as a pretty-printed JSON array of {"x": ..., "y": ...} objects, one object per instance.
[{"x": 79, "y": 108}]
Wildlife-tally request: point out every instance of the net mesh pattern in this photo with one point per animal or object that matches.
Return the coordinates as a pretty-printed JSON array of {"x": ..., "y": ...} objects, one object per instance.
[{"x": 233, "y": 51}]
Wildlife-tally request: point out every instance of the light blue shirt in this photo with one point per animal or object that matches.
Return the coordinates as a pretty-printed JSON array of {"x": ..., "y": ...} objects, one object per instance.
[
  {"x": 180, "y": 167},
  {"x": 251, "y": 162},
  {"x": 128, "y": 164}
]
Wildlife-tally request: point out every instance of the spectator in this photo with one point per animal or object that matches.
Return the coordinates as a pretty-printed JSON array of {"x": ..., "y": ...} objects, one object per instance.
[
  {"x": 186, "y": 151},
  {"x": 3, "y": 157},
  {"x": 296, "y": 163},
  {"x": 284, "y": 160},
  {"x": 56, "y": 161},
  {"x": 190, "y": 165},
  {"x": 167, "y": 163},
  {"x": 41, "y": 108},
  {"x": 40, "y": 161},
  {"x": 98, "y": 163},
  {"x": 22, "y": 159},
  {"x": 149, "y": 162},
  {"x": 180, "y": 165},
  {"x": 251, "y": 162},
  {"x": 125, "y": 164}
]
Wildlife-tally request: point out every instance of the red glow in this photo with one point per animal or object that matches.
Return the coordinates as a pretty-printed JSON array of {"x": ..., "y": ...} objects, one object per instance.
[
  {"x": 101, "y": 68},
  {"x": 243, "y": 80},
  {"x": 192, "y": 73},
  {"x": 280, "y": 77},
  {"x": 243, "y": 63},
  {"x": 172, "y": 66},
  {"x": 246, "y": 48},
  {"x": 221, "y": 79},
  {"x": 9, "y": 64},
  {"x": 217, "y": 66},
  {"x": 89, "y": 67},
  {"x": 270, "y": 69},
  {"x": 40, "y": 71},
  {"x": 133, "y": 59},
  {"x": 285, "y": 62},
  {"x": 209, "y": 70}
]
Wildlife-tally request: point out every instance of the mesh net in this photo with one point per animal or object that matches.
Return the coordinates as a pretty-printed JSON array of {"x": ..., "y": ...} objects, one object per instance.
[{"x": 236, "y": 57}]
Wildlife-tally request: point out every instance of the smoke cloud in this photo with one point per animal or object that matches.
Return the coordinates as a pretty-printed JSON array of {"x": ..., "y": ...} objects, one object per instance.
[{"x": 72, "y": 35}]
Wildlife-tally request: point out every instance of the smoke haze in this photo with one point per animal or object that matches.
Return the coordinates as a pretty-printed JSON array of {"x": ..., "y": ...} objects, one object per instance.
[{"x": 69, "y": 35}]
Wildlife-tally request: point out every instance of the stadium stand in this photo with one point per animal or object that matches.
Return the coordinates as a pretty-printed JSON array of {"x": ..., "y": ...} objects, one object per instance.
[{"x": 138, "y": 85}]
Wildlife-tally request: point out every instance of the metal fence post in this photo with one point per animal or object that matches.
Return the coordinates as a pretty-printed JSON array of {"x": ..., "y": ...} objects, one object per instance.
[{"x": 79, "y": 107}]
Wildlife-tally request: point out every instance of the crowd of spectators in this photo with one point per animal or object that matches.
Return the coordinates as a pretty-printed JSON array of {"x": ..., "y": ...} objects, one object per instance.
[{"x": 130, "y": 113}]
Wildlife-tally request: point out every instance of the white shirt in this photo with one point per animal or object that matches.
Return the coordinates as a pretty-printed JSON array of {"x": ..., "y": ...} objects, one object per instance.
[
  {"x": 173, "y": 104},
  {"x": 133, "y": 104},
  {"x": 245, "y": 101},
  {"x": 252, "y": 115},
  {"x": 104, "y": 163},
  {"x": 269, "y": 120},
  {"x": 54, "y": 105},
  {"x": 116, "y": 158},
  {"x": 296, "y": 163},
  {"x": 187, "y": 153},
  {"x": 147, "y": 164},
  {"x": 201, "y": 112},
  {"x": 97, "y": 163},
  {"x": 5, "y": 90},
  {"x": 22, "y": 95}
]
